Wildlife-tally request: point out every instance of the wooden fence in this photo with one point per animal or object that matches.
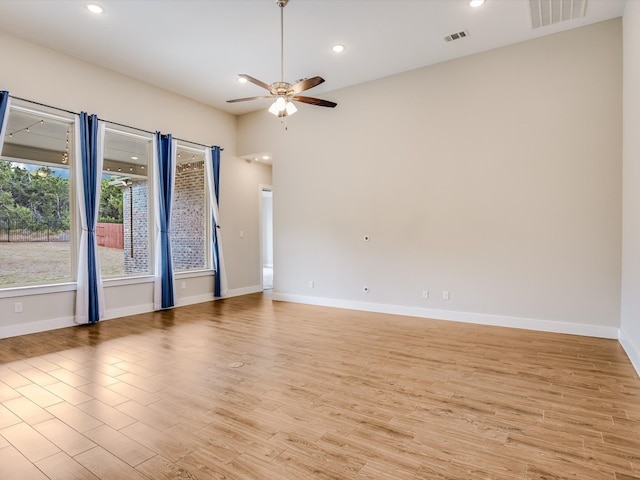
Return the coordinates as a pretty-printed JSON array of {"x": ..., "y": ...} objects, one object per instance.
[{"x": 110, "y": 235}]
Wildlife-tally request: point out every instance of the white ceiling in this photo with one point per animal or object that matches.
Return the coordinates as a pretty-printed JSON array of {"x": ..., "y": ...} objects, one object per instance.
[{"x": 197, "y": 47}]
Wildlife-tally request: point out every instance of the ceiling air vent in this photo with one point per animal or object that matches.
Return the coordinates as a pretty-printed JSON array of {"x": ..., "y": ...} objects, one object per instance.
[
  {"x": 548, "y": 12},
  {"x": 456, "y": 36}
]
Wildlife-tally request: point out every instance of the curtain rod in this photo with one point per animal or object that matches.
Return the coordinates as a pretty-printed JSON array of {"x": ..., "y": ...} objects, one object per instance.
[{"x": 112, "y": 123}]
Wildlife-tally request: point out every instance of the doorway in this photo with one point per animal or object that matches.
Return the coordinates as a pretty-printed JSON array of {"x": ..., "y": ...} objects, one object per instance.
[{"x": 266, "y": 235}]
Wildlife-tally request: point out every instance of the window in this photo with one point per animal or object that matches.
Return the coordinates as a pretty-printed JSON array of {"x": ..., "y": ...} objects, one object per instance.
[
  {"x": 123, "y": 219},
  {"x": 35, "y": 221},
  {"x": 38, "y": 208},
  {"x": 188, "y": 211}
]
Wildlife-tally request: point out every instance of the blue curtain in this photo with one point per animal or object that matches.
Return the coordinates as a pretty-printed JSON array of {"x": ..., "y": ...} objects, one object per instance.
[
  {"x": 215, "y": 157},
  {"x": 165, "y": 162},
  {"x": 89, "y": 301},
  {"x": 212, "y": 169},
  {"x": 4, "y": 114}
]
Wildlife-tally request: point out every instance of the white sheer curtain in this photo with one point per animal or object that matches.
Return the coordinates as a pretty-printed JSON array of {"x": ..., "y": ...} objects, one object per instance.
[
  {"x": 213, "y": 203},
  {"x": 5, "y": 105},
  {"x": 89, "y": 280}
]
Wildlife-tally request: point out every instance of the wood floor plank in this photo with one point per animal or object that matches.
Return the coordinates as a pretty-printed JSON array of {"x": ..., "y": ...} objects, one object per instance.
[
  {"x": 107, "y": 395},
  {"x": 106, "y": 414},
  {"x": 27, "y": 410},
  {"x": 74, "y": 417},
  {"x": 62, "y": 467},
  {"x": 37, "y": 376},
  {"x": 131, "y": 392},
  {"x": 105, "y": 465},
  {"x": 64, "y": 437},
  {"x": 159, "y": 468},
  {"x": 120, "y": 445},
  {"x": 29, "y": 442},
  {"x": 13, "y": 379},
  {"x": 69, "y": 377},
  {"x": 15, "y": 466},
  {"x": 67, "y": 393},
  {"x": 6, "y": 392},
  {"x": 39, "y": 395},
  {"x": 159, "y": 442},
  {"x": 147, "y": 415},
  {"x": 7, "y": 417}
]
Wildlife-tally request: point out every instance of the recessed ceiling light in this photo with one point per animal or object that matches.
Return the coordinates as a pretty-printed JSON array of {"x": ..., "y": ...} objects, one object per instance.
[
  {"x": 476, "y": 3},
  {"x": 265, "y": 157},
  {"x": 134, "y": 158},
  {"x": 93, "y": 8},
  {"x": 242, "y": 80},
  {"x": 338, "y": 48}
]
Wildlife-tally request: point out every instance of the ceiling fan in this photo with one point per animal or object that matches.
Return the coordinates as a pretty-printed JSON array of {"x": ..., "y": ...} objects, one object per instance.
[{"x": 283, "y": 92}]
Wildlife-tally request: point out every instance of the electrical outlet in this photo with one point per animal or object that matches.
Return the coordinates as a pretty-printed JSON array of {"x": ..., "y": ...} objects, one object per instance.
[
  {"x": 425, "y": 294},
  {"x": 183, "y": 285},
  {"x": 445, "y": 295},
  {"x": 17, "y": 307},
  {"x": 311, "y": 284}
]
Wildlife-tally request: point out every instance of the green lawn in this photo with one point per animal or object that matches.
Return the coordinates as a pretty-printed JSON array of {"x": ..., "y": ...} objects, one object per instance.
[{"x": 38, "y": 263}]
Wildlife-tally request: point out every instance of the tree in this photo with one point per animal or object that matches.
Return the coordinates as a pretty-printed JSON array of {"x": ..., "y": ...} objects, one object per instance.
[
  {"x": 39, "y": 197},
  {"x": 110, "y": 202}
]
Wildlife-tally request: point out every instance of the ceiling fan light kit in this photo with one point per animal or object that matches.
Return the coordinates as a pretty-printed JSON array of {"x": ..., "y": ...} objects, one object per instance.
[{"x": 283, "y": 92}]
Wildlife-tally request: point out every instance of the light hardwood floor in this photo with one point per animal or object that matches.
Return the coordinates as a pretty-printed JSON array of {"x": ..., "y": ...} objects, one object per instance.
[{"x": 247, "y": 388}]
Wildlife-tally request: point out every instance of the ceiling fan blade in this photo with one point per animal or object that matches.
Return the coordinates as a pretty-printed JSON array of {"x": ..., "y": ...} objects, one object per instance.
[
  {"x": 255, "y": 81},
  {"x": 315, "y": 101},
  {"x": 235, "y": 100},
  {"x": 306, "y": 84}
]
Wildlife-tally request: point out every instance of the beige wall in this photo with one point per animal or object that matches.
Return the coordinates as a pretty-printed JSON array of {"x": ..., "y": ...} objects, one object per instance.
[
  {"x": 496, "y": 177},
  {"x": 37, "y": 73},
  {"x": 630, "y": 321}
]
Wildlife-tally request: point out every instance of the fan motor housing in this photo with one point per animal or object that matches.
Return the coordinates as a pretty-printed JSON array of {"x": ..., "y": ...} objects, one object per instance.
[{"x": 280, "y": 88}]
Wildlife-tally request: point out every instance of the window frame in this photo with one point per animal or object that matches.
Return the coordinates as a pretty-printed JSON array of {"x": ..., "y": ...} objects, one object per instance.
[
  {"x": 74, "y": 231},
  {"x": 207, "y": 221},
  {"x": 151, "y": 172}
]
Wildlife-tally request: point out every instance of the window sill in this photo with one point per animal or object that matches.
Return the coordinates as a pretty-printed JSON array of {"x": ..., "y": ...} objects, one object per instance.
[
  {"x": 107, "y": 283},
  {"x": 194, "y": 274},
  {"x": 120, "y": 281},
  {"x": 37, "y": 290}
]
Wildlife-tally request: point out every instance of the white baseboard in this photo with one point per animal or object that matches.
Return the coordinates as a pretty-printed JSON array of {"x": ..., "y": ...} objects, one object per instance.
[
  {"x": 110, "y": 314},
  {"x": 467, "y": 317},
  {"x": 244, "y": 291},
  {"x": 55, "y": 323},
  {"x": 36, "y": 327},
  {"x": 207, "y": 297},
  {"x": 631, "y": 350}
]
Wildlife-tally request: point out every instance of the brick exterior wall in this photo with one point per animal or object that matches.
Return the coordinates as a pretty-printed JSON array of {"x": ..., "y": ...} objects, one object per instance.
[
  {"x": 187, "y": 222},
  {"x": 187, "y": 218},
  {"x": 136, "y": 229}
]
